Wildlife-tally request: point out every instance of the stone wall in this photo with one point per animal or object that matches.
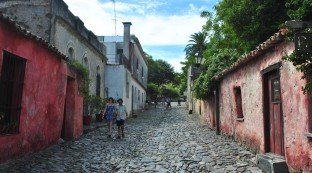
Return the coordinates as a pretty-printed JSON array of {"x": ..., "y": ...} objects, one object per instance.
[
  {"x": 34, "y": 15},
  {"x": 67, "y": 38},
  {"x": 60, "y": 10}
]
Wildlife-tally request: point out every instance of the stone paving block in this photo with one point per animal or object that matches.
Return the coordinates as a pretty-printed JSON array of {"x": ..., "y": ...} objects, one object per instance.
[{"x": 156, "y": 141}]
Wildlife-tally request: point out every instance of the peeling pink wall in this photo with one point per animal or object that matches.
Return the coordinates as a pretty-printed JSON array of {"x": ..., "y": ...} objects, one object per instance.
[
  {"x": 208, "y": 114},
  {"x": 43, "y": 98},
  {"x": 294, "y": 107}
]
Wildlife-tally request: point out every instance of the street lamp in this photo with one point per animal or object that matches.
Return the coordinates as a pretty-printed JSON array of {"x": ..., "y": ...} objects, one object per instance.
[
  {"x": 198, "y": 59},
  {"x": 195, "y": 71},
  {"x": 303, "y": 41}
]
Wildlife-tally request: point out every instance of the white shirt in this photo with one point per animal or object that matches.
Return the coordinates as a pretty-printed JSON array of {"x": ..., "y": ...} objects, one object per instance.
[{"x": 121, "y": 112}]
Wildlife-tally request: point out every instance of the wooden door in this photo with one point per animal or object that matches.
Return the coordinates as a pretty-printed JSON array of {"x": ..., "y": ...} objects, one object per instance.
[{"x": 275, "y": 118}]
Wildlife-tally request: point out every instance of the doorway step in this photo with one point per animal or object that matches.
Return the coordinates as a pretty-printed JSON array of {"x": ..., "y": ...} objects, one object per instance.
[{"x": 271, "y": 163}]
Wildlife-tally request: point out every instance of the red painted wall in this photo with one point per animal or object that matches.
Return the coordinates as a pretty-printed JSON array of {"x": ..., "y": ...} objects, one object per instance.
[
  {"x": 43, "y": 97},
  {"x": 298, "y": 148}
]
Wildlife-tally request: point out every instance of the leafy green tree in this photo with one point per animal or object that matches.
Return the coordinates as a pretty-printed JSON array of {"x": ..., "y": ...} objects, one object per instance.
[
  {"x": 299, "y": 9},
  {"x": 170, "y": 90},
  {"x": 251, "y": 22},
  {"x": 204, "y": 84},
  {"x": 234, "y": 28},
  {"x": 160, "y": 71},
  {"x": 197, "y": 45},
  {"x": 153, "y": 91}
]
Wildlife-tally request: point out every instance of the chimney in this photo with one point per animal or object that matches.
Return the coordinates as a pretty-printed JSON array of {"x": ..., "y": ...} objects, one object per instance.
[{"x": 126, "y": 39}]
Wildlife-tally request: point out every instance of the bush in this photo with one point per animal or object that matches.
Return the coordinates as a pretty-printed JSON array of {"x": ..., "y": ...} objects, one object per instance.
[{"x": 95, "y": 104}]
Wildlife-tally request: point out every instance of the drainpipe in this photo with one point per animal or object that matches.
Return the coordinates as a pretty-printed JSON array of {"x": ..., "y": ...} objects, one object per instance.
[{"x": 217, "y": 109}]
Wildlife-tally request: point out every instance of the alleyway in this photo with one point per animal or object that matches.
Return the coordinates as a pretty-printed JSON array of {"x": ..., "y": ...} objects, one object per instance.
[{"x": 157, "y": 141}]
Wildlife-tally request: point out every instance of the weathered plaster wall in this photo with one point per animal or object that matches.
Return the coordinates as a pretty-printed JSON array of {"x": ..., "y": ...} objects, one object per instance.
[
  {"x": 47, "y": 19},
  {"x": 294, "y": 107},
  {"x": 138, "y": 103},
  {"x": 43, "y": 97},
  {"x": 207, "y": 112},
  {"x": 65, "y": 38},
  {"x": 142, "y": 64},
  {"x": 298, "y": 147},
  {"x": 115, "y": 80},
  {"x": 34, "y": 15},
  {"x": 127, "y": 99}
]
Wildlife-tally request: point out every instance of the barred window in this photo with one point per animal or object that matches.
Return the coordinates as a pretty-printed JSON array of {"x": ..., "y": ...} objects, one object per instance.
[
  {"x": 98, "y": 85},
  {"x": 11, "y": 89}
]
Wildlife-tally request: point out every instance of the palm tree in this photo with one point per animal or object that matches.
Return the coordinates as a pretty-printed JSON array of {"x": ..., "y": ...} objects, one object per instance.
[{"x": 197, "y": 45}]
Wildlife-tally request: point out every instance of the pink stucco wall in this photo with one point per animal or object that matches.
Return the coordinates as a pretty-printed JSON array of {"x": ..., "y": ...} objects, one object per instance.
[
  {"x": 208, "y": 112},
  {"x": 298, "y": 150},
  {"x": 43, "y": 97}
]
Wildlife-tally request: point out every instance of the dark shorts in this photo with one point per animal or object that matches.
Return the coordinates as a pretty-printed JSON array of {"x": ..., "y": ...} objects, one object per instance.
[{"x": 120, "y": 122}]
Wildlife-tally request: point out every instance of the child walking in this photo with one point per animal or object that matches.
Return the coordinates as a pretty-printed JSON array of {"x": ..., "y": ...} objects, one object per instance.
[
  {"x": 121, "y": 117},
  {"x": 110, "y": 110}
]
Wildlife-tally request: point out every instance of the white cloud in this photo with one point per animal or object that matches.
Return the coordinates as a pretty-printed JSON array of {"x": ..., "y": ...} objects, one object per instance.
[
  {"x": 150, "y": 29},
  {"x": 176, "y": 63}
]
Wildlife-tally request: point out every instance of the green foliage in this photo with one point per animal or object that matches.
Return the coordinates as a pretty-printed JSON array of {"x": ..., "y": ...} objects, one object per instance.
[
  {"x": 299, "y": 9},
  {"x": 197, "y": 45},
  {"x": 95, "y": 103},
  {"x": 234, "y": 28},
  {"x": 83, "y": 74},
  {"x": 249, "y": 23},
  {"x": 204, "y": 84},
  {"x": 160, "y": 72},
  {"x": 169, "y": 90},
  {"x": 152, "y": 91}
]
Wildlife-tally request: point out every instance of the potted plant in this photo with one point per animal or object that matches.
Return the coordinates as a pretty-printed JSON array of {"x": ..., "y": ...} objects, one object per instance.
[
  {"x": 96, "y": 106},
  {"x": 87, "y": 116}
]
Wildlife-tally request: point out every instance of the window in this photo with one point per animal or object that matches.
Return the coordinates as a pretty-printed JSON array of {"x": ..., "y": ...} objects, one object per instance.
[
  {"x": 238, "y": 102},
  {"x": 86, "y": 62},
  {"x": 11, "y": 89},
  {"x": 119, "y": 51},
  {"x": 98, "y": 85},
  {"x": 71, "y": 53},
  {"x": 127, "y": 89},
  {"x": 276, "y": 90},
  {"x": 127, "y": 85},
  {"x": 106, "y": 92},
  {"x": 137, "y": 64}
]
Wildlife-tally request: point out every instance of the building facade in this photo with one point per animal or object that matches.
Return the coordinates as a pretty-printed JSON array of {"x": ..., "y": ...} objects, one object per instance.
[
  {"x": 260, "y": 102},
  {"x": 126, "y": 74},
  {"x": 40, "y": 101},
  {"x": 52, "y": 21}
]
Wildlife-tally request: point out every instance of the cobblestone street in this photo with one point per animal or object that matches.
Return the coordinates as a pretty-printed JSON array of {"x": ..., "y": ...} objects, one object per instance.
[{"x": 157, "y": 140}]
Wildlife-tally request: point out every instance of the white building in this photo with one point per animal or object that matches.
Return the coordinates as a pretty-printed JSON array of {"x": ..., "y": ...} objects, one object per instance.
[{"x": 126, "y": 70}]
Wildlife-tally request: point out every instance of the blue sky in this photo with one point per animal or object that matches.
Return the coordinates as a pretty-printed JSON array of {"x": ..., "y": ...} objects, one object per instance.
[{"x": 162, "y": 26}]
